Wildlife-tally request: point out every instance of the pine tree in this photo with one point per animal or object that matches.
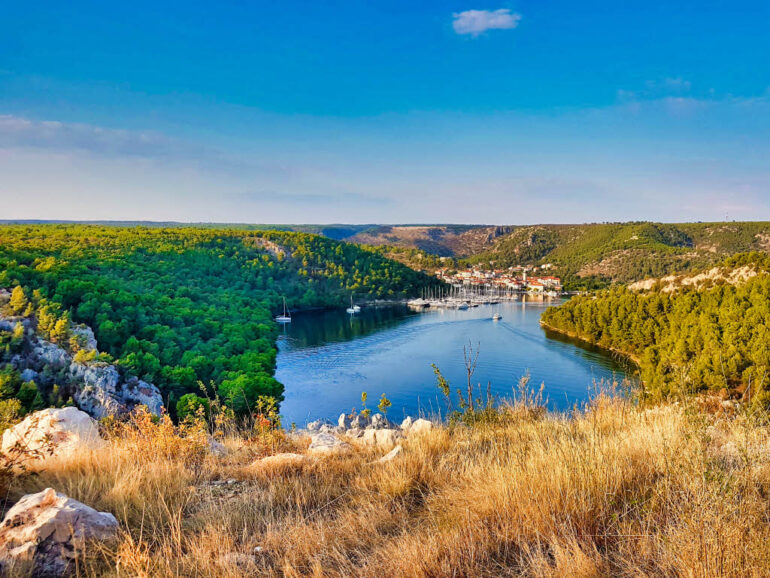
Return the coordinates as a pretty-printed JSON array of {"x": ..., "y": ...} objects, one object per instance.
[{"x": 18, "y": 302}]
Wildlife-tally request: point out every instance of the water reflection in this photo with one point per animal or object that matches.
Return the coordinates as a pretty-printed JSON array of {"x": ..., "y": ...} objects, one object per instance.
[{"x": 326, "y": 358}]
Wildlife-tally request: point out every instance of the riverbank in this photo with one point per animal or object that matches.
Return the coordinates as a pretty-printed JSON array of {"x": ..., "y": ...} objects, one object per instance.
[
  {"x": 615, "y": 489},
  {"x": 634, "y": 359}
]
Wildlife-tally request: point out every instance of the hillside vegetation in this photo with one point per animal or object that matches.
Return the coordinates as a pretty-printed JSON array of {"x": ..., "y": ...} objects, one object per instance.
[
  {"x": 713, "y": 335},
  {"x": 624, "y": 252},
  {"x": 180, "y": 306}
]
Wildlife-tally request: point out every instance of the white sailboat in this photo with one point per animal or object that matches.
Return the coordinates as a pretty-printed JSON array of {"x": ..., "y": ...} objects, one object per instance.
[
  {"x": 286, "y": 317},
  {"x": 353, "y": 308}
]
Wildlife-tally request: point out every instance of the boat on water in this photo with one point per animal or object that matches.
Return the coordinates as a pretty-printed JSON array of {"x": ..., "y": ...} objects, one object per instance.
[
  {"x": 497, "y": 317},
  {"x": 353, "y": 308},
  {"x": 286, "y": 317},
  {"x": 463, "y": 306}
]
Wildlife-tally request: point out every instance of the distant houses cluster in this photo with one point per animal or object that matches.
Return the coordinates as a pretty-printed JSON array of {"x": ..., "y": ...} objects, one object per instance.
[{"x": 511, "y": 279}]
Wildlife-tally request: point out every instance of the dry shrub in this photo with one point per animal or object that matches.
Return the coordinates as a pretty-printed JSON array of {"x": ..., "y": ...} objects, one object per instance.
[{"x": 610, "y": 490}]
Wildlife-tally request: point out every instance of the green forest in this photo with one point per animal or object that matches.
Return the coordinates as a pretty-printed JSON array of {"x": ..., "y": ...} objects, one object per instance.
[
  {"x": 179, "y": 306},
  {"x": 593, "y": 256},
  {"x": 692, "y": 339}
]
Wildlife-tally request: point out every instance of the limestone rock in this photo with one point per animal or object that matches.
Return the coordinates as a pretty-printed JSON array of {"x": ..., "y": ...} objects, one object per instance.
[
  {"x": 47, "y": 353},
  {"x": 324, "y": 443},
  {"x": 284, "y": 459},
  {"x": 379, "y": 421},
  {"x": 381, "y": 437},
  {"x": 44, "y": 532},
  {"x": 101, "y": 394},
  {"x": 85, "y": 337},
  {"x": 360, "y": 421},
  {"x": 52, "y": 431},
  {"x": 314, "y": 425},
  {"x": 406, "y": 424},
  {"x": 391, "y": 455},
  {"x": 29, "y": 375},
  {"x": 420, "y": 426},
  {"x": 344, "y": 421},
  {"x": 137, "y": 392}
]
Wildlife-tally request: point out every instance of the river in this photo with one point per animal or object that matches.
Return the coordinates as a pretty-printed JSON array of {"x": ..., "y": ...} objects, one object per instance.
[{"x": 327, "y": 358}]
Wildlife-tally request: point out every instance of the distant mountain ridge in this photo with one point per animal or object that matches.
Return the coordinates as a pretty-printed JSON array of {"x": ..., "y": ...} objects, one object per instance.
[{"x": 585, "y": 255}]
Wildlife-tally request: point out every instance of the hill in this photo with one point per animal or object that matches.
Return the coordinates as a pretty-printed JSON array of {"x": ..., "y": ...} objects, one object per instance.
[
  {"x": 623, "y": 252},
  {"x": 708, "y": 331},
  {"x": 179, "y": 306}
]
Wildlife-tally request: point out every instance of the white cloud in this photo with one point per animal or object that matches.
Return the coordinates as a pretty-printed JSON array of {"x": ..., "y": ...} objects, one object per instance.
[{"x": 474, "y": 22}]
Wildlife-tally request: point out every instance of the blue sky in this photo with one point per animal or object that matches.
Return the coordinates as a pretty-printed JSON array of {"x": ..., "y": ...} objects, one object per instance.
[{"x": 511, "y": 112}]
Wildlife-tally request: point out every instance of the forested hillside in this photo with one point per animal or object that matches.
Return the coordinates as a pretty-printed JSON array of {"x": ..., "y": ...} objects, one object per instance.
[
  {"x": 712, "y": 337},
  {"x": 595, "y": 254},
  {"x": 175, "y": 306}
]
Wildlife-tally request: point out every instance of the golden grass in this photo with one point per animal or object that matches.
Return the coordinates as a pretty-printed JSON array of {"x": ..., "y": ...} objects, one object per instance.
[{"x": 612, "y": 490}]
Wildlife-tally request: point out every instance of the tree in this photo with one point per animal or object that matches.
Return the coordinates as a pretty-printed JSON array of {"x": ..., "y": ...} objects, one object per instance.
[{"x": 19, "y": 301}]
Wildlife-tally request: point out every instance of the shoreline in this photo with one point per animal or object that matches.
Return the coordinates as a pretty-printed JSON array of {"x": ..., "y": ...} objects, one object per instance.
[{"x": 630, "y": 356}]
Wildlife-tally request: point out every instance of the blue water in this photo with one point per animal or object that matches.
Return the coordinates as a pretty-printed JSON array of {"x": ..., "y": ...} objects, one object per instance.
[{"x": 326, "y": 359}]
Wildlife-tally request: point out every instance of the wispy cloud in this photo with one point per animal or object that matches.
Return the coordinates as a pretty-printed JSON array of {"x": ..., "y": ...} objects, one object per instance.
[
  {"x": 48, "y": 134},
  {"x": 475, "y": 22}
]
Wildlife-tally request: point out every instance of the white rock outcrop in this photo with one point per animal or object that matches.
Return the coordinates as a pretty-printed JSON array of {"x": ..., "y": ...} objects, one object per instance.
[
  {"x": 391, "y": 455},
  {"x": 381, "y": 437},
  {"x": 420, "y": 426},
  {"x": 43, "y": 533},
  {"x": 325, "y": 443},
  {"x": 52, "y": 432}
]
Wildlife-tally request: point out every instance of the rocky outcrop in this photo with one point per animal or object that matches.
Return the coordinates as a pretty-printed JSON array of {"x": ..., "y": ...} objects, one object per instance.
[
  {"x": 385, "y": 438},
  {"x": 419, "y": 426},
  {"x": 97, "y": 388},
  {"x": 325, "y": 443},
  {"x": 391, "y": 455},
  {"x": 51, "y": 432},
  {"x": 45, "y": 532},
  {"x": 100, "y": 392},
  {"x": 85, "y": 337}
]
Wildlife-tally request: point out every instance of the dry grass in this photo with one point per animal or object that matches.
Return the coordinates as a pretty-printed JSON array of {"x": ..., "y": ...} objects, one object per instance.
[{"x": 609, "y": 491}]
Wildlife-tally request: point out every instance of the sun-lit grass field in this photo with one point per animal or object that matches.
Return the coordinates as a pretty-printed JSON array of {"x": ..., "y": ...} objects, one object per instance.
[{"x": 609, "y": 490}]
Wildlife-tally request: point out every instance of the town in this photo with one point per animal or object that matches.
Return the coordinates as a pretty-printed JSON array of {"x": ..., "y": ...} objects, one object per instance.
[{"x": 474, "y": 286}]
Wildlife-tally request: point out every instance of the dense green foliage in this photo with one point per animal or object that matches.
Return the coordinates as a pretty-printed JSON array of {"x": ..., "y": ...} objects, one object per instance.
[
  {"x": 587, "y": 256},
  {"x": 715, "y": 337},
  {"x": 176, "y": 306}
]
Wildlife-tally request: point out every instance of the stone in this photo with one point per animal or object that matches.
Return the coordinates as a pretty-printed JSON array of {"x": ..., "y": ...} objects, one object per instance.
[
  {"x": 391, "y": 455},
  {"x": 100, "y": 393},
  {"x": 328, "y": 428},
  {"x": 355, "y": 432},
  {"x": 314, "y": 425},
  {"x": 360, "y": 421},
  {"x": 216, "y": 448},
  {"x": 53, "y": 432},
  {"x": 344, "y": 421},
  {"x": 282, "y": 460},
  {"x": 47, "y": 353},
  {"x": 29, "y": 375},
  {"x": 406, "y": 424},
  {"x": 381, "y": 437},
  {"x": 44, "y": 533},
  {"x": 137, "y": 392},
  {"x": 379, "y": 421},
  {"x": 420, "y": 426},
  {"x": 324, "y": 443},
  {"x": 85, "y": 337}
]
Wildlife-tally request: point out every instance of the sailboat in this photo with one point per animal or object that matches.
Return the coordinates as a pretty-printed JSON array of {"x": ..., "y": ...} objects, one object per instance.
[
  {"x": 353, "y": 308},
  {"x": 286, "y": 317}
]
